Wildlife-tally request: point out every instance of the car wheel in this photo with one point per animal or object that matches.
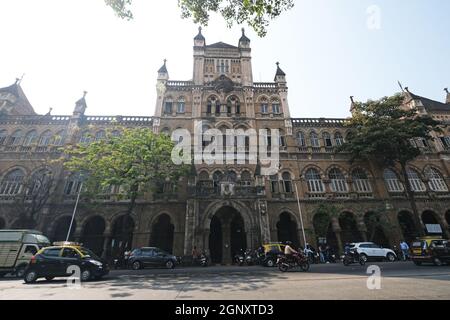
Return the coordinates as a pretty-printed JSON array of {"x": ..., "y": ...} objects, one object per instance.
[
  {"x": 270, "y": 263},
  {"x": 136, "y": 265},
  {"x": 85, "y": 275},
  {"x": 20, "y": 272},
  {"x": 437, "y": 261},
  {"x": 30, "y": 276},
  {"x": 390, "y": 257},
  {"x": 49, "y": 278},
  {"x": 363, "y": 257},
  {"x": 283, "y": 267},
  {"x": 170, "y": 264}
]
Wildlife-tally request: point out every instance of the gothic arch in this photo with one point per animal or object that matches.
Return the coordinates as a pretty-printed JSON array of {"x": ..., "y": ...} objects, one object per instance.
[
  {"x": 312, "y": 166},
  {"x": 245, "y": 212}
]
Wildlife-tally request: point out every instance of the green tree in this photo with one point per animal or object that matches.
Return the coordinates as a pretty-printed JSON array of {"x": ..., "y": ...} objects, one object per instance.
[
  {"x": 256, "y": 13},
  {"x": 382, "y": 131},
  {"x": 135, "y": 159}
]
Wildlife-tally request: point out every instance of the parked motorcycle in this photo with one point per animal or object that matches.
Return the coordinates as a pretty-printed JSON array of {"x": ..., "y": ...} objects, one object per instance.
[
  {"x": 351, "y": 257},
  {"x": 297, "y": 260},
  {"x": 250, "y": 257},
  {"x": 204, "y": 260},
  {"x": 239, "y": 258}
]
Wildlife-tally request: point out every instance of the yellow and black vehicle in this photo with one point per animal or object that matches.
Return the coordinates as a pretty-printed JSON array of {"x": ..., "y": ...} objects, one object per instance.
[
  {"x": 271, "y": 252},
  {"x": 63, "y": 259},
  {"x": 430, "y": 249}
]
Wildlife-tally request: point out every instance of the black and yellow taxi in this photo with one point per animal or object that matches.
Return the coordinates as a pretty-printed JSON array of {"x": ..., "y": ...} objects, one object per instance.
[
  {"x": 271, "y": 252},
  {"x": 65, "y": 259},
  {"x": 430, "y": 249}
]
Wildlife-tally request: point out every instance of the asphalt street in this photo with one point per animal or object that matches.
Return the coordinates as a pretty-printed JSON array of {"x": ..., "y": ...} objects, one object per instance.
[{"x": 398, "y": 280}]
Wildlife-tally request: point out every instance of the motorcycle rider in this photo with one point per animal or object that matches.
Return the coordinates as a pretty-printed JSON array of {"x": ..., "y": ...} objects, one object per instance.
[{"x": 289, "y": 251}]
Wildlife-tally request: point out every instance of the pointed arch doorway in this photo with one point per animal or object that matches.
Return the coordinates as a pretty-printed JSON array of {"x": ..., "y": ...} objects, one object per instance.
[{"x": 227, "y": 235}]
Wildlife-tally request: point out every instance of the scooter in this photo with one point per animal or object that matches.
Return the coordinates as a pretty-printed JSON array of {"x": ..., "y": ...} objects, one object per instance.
[
  {"x": 250, "y": 258},
  {"x": 239, "y": 259},
  {"x": 204, "y": 260},
  {"x": 351, "y": 257}
]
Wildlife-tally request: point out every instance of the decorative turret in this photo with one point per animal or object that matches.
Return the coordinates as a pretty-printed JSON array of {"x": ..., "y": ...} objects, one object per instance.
[
  {"x": 199, "y": 40},
  {"x": 280, "y": 76},
  {"x": 163, "y": 74},
  {"x": 80, "y": 106},
  {"x": 244, "y": 42}
]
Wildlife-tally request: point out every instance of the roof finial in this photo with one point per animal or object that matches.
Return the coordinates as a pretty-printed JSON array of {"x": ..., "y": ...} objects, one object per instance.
[
  {"x": 200, "y": 29},
  {"x": 446, "y": 90},
  {"x": 243, "y": 31},
  {"x": 277, "y": 63},
  {"x": 49, "y": 111},
  {"x": 84, "y": 94},
  {"x": 351, "y": 99},
  {"x": 165, "y": 60},
  {"x": 407, "y": 89}
]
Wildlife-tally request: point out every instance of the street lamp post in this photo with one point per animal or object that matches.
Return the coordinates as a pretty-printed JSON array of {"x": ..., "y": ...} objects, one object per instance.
[
  {"x": 74, "y": 211},
  {"x": 300, "y": 213}
]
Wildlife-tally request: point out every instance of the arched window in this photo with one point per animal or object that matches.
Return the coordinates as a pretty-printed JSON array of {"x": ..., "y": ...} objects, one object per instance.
[
  {"x": 246, "y": 178},
  {"x": 287, "y": 182},
  {"x": 435, "y": 180},
  {"x": 168, "y": 106},
  {"x": 3, "y": 135},
  {"x": 181, "y": 105},
  {"x": 301, "y": 139},
  {"x": 314, "y": 181},
  {"x": 165, "y": 131},
  {"x": 327, "y": 139},
  {"x": 276, "y": 107},
  {"x": 100, "y": 135},
  {"x": 392, "y": 182},
  {"x": 314, "y": 138},
  {"x": 274, "y": 186},
  {"x": 12, "y": 183},
  {"x": 414, "y": 181},
  {"x": 217, "y": 177},
  {"x": 58, "y": 139},
  {"x": 85, "y": 137},
  {"x": 30, "y": 138},
  {"x": 338, "y": 139},
  {"x": 338, "y": 183},
  {"x": 73, "y": 184},
  {"x": 264, "y": 106},
  {"x": 16, "y": 138},
  {"x": 45, "y": 138},
  {"x": 361, "y": 182},
  {"x": 203, "y": 176},
  {"x": 40, "y": 182}
]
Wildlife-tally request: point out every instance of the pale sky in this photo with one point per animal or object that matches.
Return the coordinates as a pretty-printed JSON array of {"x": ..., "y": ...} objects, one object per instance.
[{"x": 326, "y": 48}]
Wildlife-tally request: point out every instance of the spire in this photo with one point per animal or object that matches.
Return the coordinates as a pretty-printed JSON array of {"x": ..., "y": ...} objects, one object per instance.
[
  {"x": 80, "y": 105},
  {"x": 163, "y": 69},
  {"x": 279, "y": 75},
  {"x": 244, "y": 37},
  {"x": 447, "y": 101},
  {"x": 199, "y": 36}
]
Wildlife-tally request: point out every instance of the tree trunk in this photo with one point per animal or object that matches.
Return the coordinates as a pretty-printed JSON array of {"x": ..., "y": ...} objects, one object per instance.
[{"x": 412, "y": 201}]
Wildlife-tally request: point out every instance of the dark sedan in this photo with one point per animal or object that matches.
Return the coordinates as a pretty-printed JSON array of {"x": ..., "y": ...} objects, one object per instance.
[{"x": 151, "y": 257}]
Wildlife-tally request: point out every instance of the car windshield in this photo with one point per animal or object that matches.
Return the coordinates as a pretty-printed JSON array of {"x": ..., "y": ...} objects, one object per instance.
[{"x": 88, "y": 253}]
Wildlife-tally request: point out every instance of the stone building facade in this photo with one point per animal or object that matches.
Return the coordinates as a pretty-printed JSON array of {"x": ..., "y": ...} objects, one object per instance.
[{"x": 222, "y": 208}]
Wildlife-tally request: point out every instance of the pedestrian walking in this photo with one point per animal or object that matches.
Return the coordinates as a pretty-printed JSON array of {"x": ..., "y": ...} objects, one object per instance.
[{"x": 405, "y": 250}]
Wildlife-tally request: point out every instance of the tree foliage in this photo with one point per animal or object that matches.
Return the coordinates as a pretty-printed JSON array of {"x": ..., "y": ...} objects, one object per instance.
[
  {"x": 256, "y": 13},
  {"x": 382, "y": 131},
  {"x": 135, "y": 160}
]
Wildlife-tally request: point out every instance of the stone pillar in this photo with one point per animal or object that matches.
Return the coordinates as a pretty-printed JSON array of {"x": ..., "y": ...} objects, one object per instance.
[
  {"x": 337, "y": 231},
  {"x": 106, "y": 245},
  {"x": 264, "y": 221},
  {"x": 178, "y": 243}
]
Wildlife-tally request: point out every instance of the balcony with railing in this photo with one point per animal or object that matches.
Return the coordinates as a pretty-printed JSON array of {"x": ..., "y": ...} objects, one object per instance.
[{"x": 210, "y": 190}]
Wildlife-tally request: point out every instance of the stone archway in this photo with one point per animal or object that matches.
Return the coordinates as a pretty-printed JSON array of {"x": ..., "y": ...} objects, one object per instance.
[
  {"x": 375, "y": 224},
  {"x": 227, "y": 235},
  {"x": 121, "y": 235},
  {"x": 430, "y": 217},
  {"x": 60, "y": 229},
  {"x": 287, "y": 229},
  {"x": 324, "y": 231},
  {"x": 92, "y": 235},
  {"x": 407, "y": 225},
  {"x": 162, "y": 235},
  {"x": 349, "y": 228}
]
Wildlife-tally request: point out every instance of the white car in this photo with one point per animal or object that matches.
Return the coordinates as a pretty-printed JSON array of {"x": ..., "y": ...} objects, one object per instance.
[{"x": 372, "y": 251}]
